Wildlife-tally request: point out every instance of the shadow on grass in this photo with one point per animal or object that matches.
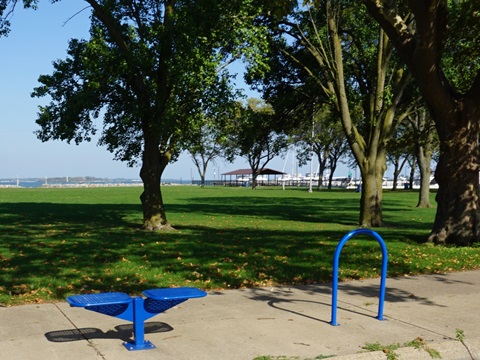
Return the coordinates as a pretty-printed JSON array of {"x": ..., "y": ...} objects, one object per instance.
[
  {"x": 50, "y": 250},
  {"x": 335, "y": 208},
  {"x": 339, "y": 211}
]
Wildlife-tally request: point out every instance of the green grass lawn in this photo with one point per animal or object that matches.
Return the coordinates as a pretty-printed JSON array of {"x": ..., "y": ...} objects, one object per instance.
[{"x": 56, "y": 242}]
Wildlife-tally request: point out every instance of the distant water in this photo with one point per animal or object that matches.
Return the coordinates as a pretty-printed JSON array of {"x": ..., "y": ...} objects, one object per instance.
[
  {"x": 26, "y": 183},
  {"x": 21, "y": 183},
  {"x": 36, "y": 183},
  {"x": 29, "y": 184}
]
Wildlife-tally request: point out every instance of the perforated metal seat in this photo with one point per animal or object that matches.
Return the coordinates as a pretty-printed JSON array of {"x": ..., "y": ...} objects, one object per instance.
[
  {"x": 135, "y": 309},
  {"x": 112, "y": 304}
]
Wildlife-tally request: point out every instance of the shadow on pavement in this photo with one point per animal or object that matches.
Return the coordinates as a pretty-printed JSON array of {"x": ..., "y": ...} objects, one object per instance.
[{"x": 122, "y": 332}]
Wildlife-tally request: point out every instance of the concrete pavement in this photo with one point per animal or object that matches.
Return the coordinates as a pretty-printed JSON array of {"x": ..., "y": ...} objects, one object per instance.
[{"x": 284, "y": 322}]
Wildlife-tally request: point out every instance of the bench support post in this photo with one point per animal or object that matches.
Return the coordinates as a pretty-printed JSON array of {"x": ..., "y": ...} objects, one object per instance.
[{"x": 139, "y": 342}]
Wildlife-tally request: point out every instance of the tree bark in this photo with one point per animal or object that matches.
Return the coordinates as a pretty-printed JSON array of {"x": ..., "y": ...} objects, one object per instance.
[
  {"x": 153, "y": 165},
  {"x": 372, "y": 171},
  {"x": 371, "y": 200},
  {"x": 457, "y": 218}
]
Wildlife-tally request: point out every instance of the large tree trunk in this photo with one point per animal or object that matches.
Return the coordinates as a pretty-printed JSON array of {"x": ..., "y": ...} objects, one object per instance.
[
  {"x": 153, "y": 164},
  {"x": 370, "y": 202},
  {"x": 457, "y": 218},
  {"x": 372, "y": 192}
]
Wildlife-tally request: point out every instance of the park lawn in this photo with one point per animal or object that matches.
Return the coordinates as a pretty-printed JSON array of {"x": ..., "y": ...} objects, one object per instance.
[{"x": 57, "y": 242}]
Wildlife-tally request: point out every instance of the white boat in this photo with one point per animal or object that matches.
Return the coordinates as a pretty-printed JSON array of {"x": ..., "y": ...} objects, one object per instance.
[
  {"x": 388, "y": 183},
  {"x": 313, "y": 177},
  {"x": 341, "y": 182},
  {"x": 291, "y": 178},
  {"x": 433, "y": 183},
  {"x": 242, "y": 178},
  {"x": 285, "y": 177},
  {"x": 262, "y": 179}
]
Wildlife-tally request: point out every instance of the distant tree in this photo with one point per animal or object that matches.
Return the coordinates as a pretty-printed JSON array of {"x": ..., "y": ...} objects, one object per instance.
[
  {"x": 256, "y": 135},
  {"x": 338, "y": 148},
  {"x": 323, "y": 137},
  {"x": 205, "y": 150},
  {"x": 208, "y": 142},
  {"x": 153, "y": 70},
  {"x": 425, "y": 142},
  {"x": 442, "y": 49},
  {"x": 399, "y": 149},
  {"x": 412, "y": 164}
]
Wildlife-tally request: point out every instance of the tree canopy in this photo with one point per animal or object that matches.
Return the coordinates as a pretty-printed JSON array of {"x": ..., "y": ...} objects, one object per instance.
[{"x": 152, "y": 70}]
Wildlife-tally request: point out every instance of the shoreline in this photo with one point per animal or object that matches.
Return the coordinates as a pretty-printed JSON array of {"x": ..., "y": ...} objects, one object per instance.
[{"x": 88, "y": 185}]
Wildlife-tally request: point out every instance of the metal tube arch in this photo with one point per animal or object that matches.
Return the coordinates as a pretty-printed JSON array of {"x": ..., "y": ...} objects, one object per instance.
[{"x": 336, "y": 259}]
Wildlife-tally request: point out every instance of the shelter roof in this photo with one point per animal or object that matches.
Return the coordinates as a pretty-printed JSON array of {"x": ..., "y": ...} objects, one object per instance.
[{"x": 264, "y": 171}]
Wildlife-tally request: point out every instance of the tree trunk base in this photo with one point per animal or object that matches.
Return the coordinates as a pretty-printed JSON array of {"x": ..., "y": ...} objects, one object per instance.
[
  {"x": 158, "y": 227},
  {"x": 457, "y": 231},
  {"x": 444, "y": 237},
  {"x": 424, "y": 205}
]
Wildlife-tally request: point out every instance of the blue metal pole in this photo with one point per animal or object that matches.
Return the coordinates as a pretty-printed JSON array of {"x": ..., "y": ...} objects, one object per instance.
[
  {"x": 139, "y": 316},
  {"x": 336, "y": 259},
  {"x": 383, "y": 279}
]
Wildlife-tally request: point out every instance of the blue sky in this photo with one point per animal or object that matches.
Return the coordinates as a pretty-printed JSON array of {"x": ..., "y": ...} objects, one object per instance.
[{"x": 36, "y": 39}]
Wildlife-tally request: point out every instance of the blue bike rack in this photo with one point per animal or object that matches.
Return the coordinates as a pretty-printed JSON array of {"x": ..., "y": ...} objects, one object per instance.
[{"x": 336, "y": 259}]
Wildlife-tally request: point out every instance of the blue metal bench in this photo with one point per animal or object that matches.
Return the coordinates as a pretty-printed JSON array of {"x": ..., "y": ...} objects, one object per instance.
[{"x": 135, "y": 309}]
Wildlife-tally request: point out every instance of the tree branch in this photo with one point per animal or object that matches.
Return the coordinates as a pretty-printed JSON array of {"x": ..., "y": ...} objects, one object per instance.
[
  {"x": 71, "y": 17},
  {"x": 395, "y": 27},
  {"x": 113, "y": 27}
]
